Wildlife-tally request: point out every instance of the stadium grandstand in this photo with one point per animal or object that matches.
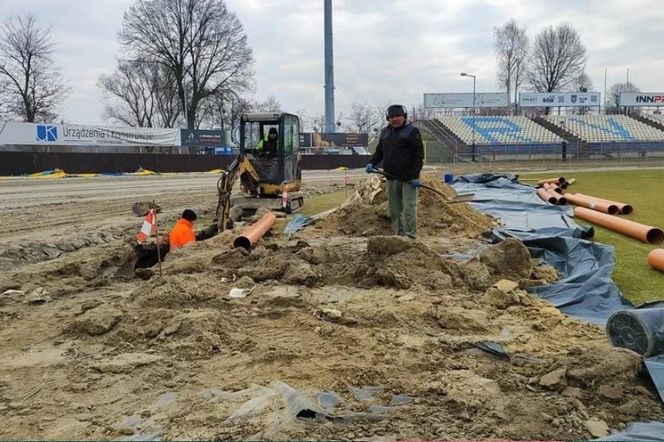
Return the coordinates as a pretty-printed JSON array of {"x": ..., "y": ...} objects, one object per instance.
[
  {"x": 500, "y": 130},
  {"x": 607, "y": 129},
  {"x": 501, "y": 137},
  {"x": 518, "y": 137},
  {"x": 656, "y": 120}
]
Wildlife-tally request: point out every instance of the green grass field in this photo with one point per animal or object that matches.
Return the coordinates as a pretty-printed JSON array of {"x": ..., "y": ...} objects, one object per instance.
[
  {"x": 639, "y": 188},
  {"x": 326, "y": 201}
]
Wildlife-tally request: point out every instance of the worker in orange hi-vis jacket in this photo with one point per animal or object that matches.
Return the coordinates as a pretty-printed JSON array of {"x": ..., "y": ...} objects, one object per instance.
[{"x": 183, "y": 231}]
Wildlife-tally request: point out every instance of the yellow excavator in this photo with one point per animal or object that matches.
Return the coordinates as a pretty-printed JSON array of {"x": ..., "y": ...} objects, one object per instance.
[{"x": 269, "y": 177}]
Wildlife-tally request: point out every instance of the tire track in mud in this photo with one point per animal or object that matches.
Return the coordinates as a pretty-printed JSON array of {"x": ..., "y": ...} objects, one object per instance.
[
  {"x": 80, "y": 214},
  {"x": 52, "y": 231}
]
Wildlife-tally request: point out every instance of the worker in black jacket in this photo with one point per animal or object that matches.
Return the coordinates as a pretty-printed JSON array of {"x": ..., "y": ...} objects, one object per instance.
[{"x": 401, "y": 151}]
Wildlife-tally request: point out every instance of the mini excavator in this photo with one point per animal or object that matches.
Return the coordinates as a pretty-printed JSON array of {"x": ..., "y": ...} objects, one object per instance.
[{"x": 268, "y": 178}]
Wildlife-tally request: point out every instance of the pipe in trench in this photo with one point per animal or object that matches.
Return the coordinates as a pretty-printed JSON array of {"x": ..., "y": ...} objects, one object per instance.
[
  {"x": 656, "y": 259},
  {"x": 624, "y": 208},
  {"x": 254, "y": 232},
  {"x": 591, "y": 203},
  {"x": 642, "y": 232}
]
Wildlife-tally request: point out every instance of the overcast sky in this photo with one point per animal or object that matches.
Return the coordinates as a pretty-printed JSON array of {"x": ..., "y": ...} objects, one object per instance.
[{"x": 385, "y": 50}]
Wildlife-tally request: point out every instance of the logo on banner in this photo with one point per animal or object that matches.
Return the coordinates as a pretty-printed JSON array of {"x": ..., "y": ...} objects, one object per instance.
[
  {"x": 550, "y": 99},
  {"x": 47, "y": 133},
  {"x": 574, "y": 98},
  {"x": 650, "y": 98}
]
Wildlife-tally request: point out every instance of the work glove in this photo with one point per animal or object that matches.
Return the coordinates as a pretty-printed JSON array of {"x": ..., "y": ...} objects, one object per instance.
[
  {"x": 416, "y": 183},
  {"x": 370, "y": 168}
]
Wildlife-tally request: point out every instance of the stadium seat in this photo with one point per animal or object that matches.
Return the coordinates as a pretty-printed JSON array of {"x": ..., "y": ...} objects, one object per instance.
[
  {"x": 607, "y": 128},
  {"x": 499, "y": 130}
]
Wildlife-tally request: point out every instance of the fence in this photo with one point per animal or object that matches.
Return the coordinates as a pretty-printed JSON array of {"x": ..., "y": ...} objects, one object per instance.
[
  {"x": 535, "y": 154},
  {"x": 20, "y": 163}
]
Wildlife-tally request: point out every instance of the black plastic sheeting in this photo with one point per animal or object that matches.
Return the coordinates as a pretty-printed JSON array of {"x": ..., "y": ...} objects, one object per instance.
[
  {"x": 585, "y": 289},
  {"x": 638, "y": 431}
]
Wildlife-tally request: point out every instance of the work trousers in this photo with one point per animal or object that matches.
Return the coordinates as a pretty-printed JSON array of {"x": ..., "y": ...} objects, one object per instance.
[{"x": 402, "y": 200}]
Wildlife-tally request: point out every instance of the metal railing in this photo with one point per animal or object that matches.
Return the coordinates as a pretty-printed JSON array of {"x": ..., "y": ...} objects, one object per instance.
[{"x": 545, "y": 155}]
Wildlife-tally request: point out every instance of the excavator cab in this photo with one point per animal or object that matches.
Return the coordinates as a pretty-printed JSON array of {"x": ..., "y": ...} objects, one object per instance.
[
  {"x": 270, "y": 173},
  {"x": 275, "y": 167}
]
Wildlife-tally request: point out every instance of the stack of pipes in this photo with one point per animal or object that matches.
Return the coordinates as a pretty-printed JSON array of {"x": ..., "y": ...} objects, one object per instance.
[
  {"x": 551, "y": 189},
  {"x": 601, "y": 211}
]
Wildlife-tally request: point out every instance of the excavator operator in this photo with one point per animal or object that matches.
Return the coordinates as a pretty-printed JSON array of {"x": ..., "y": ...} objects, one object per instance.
[{"x": 267, "y": 147}]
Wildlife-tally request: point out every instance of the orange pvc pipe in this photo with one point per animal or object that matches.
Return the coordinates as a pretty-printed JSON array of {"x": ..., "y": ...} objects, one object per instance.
[
  {"x": 552, "y": 187},
  {"x": 254, "y": 232},
  {"x": 656, "y": 259},
  {"x": 591, "y": 203},
  {"x": 560, "y": 200},
  {"x": 546, "y": 196},
  {"x": 624, "y": 208},
  {"x": 649, "y": 234},
  {"x": 552, "y": 180}
]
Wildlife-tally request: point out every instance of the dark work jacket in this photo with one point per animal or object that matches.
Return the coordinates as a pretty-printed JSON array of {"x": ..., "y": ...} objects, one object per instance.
[
  {"x": 268, "y": 147},
  {"x": 401, "y": 152}
]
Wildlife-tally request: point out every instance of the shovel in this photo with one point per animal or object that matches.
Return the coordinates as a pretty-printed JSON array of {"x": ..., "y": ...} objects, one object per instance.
[{"x": 462, "y": 198}]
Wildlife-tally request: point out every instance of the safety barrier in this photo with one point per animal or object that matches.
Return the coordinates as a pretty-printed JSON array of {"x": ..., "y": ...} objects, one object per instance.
[{"x": 25, "y": 163}]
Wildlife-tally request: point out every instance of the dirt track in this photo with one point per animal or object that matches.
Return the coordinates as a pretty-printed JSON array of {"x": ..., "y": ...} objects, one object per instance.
[
  {"x": 41, "y": 209},
  {"x": 364, "y": 336}
]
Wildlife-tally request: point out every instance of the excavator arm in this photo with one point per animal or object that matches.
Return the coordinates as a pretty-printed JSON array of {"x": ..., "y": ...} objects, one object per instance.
[{"x": 241, "y": 165}]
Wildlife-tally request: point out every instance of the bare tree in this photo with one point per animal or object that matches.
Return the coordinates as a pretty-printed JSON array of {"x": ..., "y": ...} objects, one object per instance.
[
  {"x": 224, "y": 111},
  {"x": 141, "y": 94},
  {"x": 304, "y": 118},
  {"x": 511, "y": 49},
  {"x": 271, "y": 104},
  {"x": 558, "y": 59},
  {"x": 200, "y": 42},
  {"x": 583, "y": 84},
  {"x": 421, "y": 113},
  {"x": 363, "y": 118},
  {"x": 613, "y": 97},
  {"x": 32, "y": 86},
  {"x": 129, "y": 94}
]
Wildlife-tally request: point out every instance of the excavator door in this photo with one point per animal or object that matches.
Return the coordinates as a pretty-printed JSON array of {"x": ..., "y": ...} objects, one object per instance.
[{"x": 276, "y": 159}]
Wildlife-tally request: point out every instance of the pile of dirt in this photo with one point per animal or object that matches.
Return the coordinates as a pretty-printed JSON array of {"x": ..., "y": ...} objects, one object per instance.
[
  {"x": 366, "y": 212},
  {"x": 323, "y": 336}
]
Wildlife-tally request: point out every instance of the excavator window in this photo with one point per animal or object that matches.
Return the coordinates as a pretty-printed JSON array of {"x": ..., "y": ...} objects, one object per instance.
[
  {"x": 256, "y": 134},
  {"x": 252, "y": 135},
  {"x": 288, "y": 136}
]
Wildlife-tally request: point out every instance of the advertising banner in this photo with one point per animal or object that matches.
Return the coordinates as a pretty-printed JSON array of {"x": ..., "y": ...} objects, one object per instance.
[
  {"x": 76, "y": 135},
  {"x": 559, "y": 99},
  {"x": 642, "y": 99},
  {"x": 341, "y": 139},
  {"x": 202, "y": 138},
  {"x": 483, "y": 99}
]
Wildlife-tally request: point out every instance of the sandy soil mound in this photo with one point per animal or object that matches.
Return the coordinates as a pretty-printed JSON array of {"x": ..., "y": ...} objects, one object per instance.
[
  {"x": 365, "y": 212},
  {"x": 319, "y": 336}
]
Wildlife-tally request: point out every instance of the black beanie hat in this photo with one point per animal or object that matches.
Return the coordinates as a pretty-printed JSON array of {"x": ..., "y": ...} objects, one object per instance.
[
  {"x": 395, "y": 110},
  {"x": 189, "y": 215},
  {"x": 273, "y": 130}
]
